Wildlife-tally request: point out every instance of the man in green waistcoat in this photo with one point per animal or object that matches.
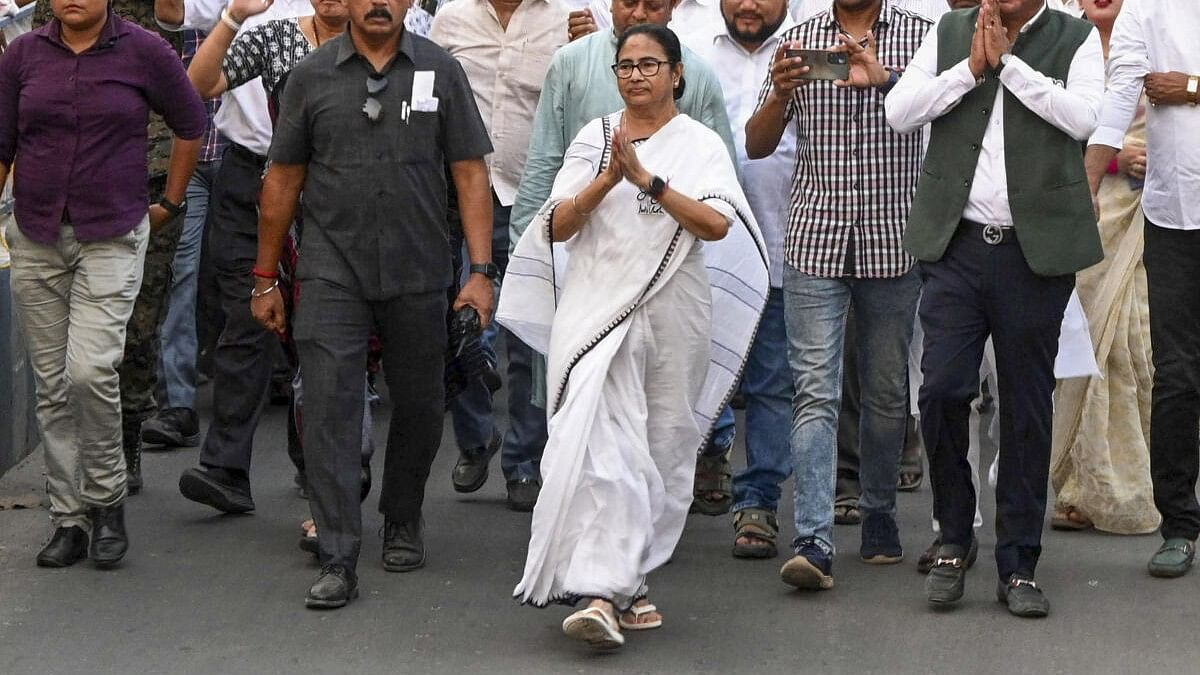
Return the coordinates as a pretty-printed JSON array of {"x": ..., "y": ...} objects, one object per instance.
[{"x": 1001, "y": 221}]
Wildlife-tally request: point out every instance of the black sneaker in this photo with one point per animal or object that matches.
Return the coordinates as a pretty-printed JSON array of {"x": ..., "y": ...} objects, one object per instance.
[
  {"x": 880, "y": 540},
  {"x": 1023, "y": 597},
  {"x": 948, "y": 577},
  {"x": 172, "y": 428},
  {"x": 223, "y": 489},
  {"x": 811, "y": 568}
]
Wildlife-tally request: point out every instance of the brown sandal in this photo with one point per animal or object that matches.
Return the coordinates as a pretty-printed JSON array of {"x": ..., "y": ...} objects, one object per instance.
[
  {"x": 760, "y": 528},
  {"x": 712, "y": 494}
]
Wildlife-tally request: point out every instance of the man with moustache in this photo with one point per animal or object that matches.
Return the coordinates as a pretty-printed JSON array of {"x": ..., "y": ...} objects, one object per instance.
[
  {"x": 999, "y": 248},
  {"x": 739, "y": 53},
  {"x": 505, "y": 47},
  {"x": 854, "y": 179},
  {"x": 367, "y": 125}
]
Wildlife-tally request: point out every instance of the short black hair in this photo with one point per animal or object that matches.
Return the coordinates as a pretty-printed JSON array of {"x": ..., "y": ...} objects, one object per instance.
[{"x": 666, "y": 39}]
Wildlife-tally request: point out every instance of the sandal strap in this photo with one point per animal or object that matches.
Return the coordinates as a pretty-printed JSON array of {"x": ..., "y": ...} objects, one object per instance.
[
  {"x": 637, "y": 610},
  {"x": 756, "y": 524}
]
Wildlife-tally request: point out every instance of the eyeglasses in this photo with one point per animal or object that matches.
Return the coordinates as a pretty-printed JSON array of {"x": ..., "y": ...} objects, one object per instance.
[
  {"x": 647, "y": 67},
  {"x": 372, "y": 108}
]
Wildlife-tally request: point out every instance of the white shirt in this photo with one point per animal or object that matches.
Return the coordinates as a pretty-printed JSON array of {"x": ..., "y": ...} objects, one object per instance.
[
  {"x": 1148, "y": 37},
  {"x": 691, "y": 19},
  {"x": 243, "y": 118},
  {"x": 930, "y": 9},
  {"x": 767, "y": 182},
  {"x": 922, "y": 96},
  {"x": 506, "y": 69}
]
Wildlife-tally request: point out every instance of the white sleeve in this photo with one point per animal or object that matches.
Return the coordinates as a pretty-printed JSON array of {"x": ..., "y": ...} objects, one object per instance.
[
  {"x": 1128, "y": 64},
  {"x": 1073, "y": 106},
  {"x": 199, "y": 15},
  {"x": 922, "y": 95}
]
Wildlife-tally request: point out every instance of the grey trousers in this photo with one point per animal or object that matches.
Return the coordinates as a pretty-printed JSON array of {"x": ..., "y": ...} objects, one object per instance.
[
  {"x": 73, "y": 300},
  {"x": 332, "y": 325}
]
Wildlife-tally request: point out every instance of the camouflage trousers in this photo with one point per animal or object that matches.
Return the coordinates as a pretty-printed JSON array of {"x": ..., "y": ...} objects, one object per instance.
[{"x": 139, "y": 368}]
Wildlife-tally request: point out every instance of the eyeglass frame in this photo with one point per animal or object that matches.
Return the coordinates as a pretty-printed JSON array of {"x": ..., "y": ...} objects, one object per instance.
[{"x": 658, "y": 64}]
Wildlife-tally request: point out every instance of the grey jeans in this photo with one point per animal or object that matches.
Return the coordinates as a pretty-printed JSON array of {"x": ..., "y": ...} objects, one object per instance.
[{"x": 73, "y": 300}]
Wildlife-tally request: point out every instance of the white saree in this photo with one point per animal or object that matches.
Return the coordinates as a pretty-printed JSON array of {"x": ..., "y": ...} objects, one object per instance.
[{"x": 637, "y": 369}]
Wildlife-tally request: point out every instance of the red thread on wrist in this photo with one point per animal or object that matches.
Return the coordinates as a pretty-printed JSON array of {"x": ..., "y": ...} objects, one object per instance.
[
  {"x": 264, "y": 275},
  {"x": 1114, "y": 167}
]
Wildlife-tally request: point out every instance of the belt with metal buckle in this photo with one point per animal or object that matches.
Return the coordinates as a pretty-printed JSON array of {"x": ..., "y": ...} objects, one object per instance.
[{"x": 992, "y": 233}]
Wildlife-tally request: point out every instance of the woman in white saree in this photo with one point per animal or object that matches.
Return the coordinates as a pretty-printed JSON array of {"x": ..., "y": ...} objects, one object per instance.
[{"x": 638, "y": 368}]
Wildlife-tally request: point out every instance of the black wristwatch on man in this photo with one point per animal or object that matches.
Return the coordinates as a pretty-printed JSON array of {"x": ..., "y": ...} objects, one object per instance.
[
  {"x": 487, "y": 269},
  {"x": 173, "y": 209}
]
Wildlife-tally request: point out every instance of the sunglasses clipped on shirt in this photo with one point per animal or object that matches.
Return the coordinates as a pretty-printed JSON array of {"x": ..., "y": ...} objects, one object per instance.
[
  {"x": 372, "y": 108},
  {"x": 647, "y": 67}
]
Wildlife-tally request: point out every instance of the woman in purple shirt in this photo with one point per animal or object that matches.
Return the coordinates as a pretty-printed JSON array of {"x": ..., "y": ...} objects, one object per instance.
[{"x": 75, "y": 98}]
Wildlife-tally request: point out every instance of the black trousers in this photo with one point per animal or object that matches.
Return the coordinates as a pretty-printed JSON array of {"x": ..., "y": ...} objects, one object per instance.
[
  {"x": 1172, "y": 259},
  {"x": 244, "y": 356},
  {"x": 975, "y": 290},
  {"x": 332, "y": 324}
]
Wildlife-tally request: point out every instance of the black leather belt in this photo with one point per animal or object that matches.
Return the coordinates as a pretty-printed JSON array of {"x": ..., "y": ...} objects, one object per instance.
[
  {"x": 247, "y": 154},
  {"x": 990, "y": 233}
]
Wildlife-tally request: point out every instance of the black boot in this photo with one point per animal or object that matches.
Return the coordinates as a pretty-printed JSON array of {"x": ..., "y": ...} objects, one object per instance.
[
  {"x": 403, "y": 547},
  {"x": 67, "y": 547},
  {"x": 132, "y": 443},
  {"x": 109, "y": 541}
]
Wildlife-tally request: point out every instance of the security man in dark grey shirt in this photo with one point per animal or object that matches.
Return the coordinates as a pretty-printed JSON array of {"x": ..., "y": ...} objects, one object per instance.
[{"x": 367, "y": 124}]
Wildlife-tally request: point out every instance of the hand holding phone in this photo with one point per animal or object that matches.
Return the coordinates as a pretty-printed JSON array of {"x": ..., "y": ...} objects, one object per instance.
[
  {"x": 822, "y": 64},
  {"x": 787, "y": 72}
]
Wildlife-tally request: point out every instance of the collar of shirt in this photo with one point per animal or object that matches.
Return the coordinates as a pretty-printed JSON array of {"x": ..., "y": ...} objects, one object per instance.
[
  {"x": 1034, "y": 19},
  {"x": 885, "y": 11},
  {"x": 114, "y": 27},
  {"x": 348, "y": 48},
  {"x": 725, "y": 36}
]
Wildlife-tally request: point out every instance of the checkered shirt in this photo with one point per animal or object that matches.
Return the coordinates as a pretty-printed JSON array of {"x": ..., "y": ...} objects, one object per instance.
[
  {"x": 854, "y": 179},
  {"x": 214, "y": 143}
]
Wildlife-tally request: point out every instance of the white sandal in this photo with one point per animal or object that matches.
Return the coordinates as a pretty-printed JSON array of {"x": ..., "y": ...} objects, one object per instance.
[
  {"x": 593, "y": 626},
  {"x": 639, "y": 611}
]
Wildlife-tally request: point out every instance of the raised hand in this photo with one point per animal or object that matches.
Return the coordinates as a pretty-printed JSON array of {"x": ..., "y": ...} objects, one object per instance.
[
  {"x": 865, "y": 71},
  {"x": 580, "y": 23},
  {"x": 240, "y": 10},
  {"x": 786, "y": 72},
  {"x": 977, "y": 61},
  {"x": 995, "y": 37}
]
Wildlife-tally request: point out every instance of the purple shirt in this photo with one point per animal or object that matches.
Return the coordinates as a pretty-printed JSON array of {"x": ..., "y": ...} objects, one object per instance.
[{"x": 76, "y": 124}]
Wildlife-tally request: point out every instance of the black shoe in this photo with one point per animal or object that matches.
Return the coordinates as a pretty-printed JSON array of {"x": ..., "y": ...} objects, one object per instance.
[
  {"x": 68, "y": 546},
  {"x": 880, "y": 540},
  {"x": 364, "y": 483},
  {"x": 311, "y": 545},
  {"x": 133, "y": 464},
  {"x": 172, "y": 428},
  {"x": 925, "y": 562},
  {"x": 403, "y": 547},
  {"x": 471, "y": 470},
  {"x": 335, "y": 587},
  {"x": 523, "y": 494},
  {"x": 1023, "y": 597},
  {"x": 947, "y": 578},
  {"x": 223, "y": 489},
  {"x": 109, "y": 542}
]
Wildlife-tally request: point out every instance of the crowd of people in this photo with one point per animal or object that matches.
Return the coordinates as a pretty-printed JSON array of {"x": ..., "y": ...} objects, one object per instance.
[{"x": 887, "y": 227}]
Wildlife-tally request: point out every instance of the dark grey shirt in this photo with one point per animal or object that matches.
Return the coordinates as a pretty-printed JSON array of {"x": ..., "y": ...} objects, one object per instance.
[{"x": 375, "y": 192}]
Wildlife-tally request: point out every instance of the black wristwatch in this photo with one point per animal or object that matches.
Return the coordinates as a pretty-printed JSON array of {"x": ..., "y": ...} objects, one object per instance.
[
  {"x": 172, "y": 208},
  {"x": 487, "y": 269},
  {"x": 656, "y": 187}
]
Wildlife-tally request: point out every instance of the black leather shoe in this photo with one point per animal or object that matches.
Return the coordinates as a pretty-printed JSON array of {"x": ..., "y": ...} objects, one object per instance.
[
  {"x": 335, "y": 587},
  {"x": 947, "y": 578},
  {"x": 109, "y": 542},
  {"x": 222, "y": 489},
  {"x": 172, "y": 428},
  {"x": 133, "y": 464},
  {"x": 1023, "y": 597},
  {"x": 403, "y": 547},
  {"x": 68, "y": 546},
  {"x": 471, "y": 470},
  {"x": 523, "y": 494},
  {"x": 925, "y": 562}
]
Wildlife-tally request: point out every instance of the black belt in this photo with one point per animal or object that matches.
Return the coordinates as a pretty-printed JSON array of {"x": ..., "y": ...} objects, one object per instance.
[
  {"x": 990, "y": 233},
  {"x": 245, "y": 153}
]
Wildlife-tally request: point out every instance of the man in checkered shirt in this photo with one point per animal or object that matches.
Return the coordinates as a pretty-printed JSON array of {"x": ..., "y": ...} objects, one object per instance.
[{"x": 853, "y": 184}]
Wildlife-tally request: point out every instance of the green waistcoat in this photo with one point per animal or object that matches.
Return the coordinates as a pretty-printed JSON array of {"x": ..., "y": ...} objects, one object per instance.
[{"x": 1047, "y": 186}]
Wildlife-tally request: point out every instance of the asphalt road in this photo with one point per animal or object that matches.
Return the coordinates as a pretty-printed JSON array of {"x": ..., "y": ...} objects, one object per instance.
[{"x": 205, "y": 593}]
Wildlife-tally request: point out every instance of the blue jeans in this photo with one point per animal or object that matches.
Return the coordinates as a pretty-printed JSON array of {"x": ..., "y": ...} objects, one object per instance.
[
  {"x": 178, "y": 337},
  {"x": 767, "y": 388},
  {"x": 471, "y": 411},
  {"x": 815, "y": 312}
]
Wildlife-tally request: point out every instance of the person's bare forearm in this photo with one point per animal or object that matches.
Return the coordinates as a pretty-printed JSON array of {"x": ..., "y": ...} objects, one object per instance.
[
  {"x": 3, "y": 175},
  {"x": 184, "y": 154},
  {"x": 696, "y": 217},
  {"x": 205, "y": 72},
  {"x": 475, "y": 207},
  {"x": 277, "y": 209},
  {"x": 765, "y": 128},
  {"x": 169, "y": 12},
  {"x": 570, "y": 215},
  {"x": 1097, "y": 161}
]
